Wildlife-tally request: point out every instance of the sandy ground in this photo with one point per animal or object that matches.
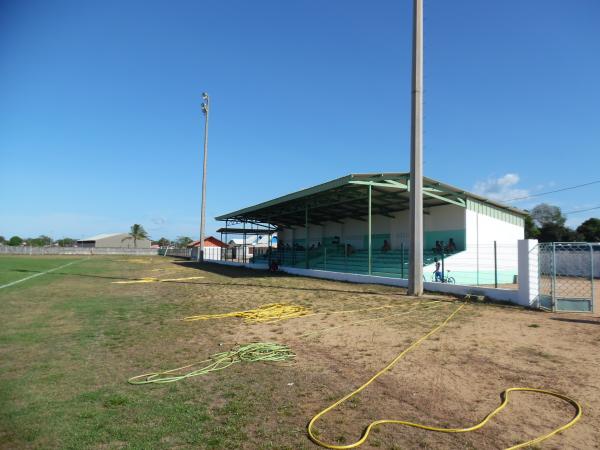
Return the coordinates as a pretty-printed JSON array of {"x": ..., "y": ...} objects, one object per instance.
[{"x": 452, "y": 380}]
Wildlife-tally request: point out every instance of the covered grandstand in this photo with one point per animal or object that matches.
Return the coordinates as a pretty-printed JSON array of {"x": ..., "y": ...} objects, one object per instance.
[{"x": 359, "y": 223}]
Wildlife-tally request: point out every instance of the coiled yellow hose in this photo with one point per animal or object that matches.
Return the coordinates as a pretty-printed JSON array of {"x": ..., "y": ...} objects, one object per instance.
[
  {"x": 505, "y": 396},
  {"x": 253, "y": 352},
  {"x": 272, "y": 312}
]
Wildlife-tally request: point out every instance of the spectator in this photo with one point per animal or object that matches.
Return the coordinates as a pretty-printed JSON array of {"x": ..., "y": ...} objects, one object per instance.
[
  {"x": 386, "y": 246},
  {"x": 437, "y": 273},
  {"x": 451, "y": 246}
]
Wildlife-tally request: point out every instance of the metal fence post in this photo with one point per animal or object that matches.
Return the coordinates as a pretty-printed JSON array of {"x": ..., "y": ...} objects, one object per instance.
[
  {"x": 553, "y": 284},
  {"x": 594, "y": 309},
  {"x": 325, "y": 258},
  {"x": 495, "y": 266},
  {"x": 443, "y": 278},
  {"x": 402, "y": 260}
]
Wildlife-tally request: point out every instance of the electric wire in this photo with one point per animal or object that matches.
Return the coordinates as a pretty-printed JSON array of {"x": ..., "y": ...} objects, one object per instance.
[{"x": 552, "y": 192}]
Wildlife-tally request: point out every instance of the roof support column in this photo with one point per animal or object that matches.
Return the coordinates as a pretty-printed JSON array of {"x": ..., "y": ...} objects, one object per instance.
[
  {"x": 244, "y": 246},
  {"x": 306, "y": 236},
  {"x": 226, "y": 237},
  {"x": 415, "y": 268},
  {"x": 370, "y": 232}
]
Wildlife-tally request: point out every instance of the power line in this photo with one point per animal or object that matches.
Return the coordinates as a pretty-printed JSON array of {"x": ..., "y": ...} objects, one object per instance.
[
  {"x": 581, "y": 210},
  {"x": 552, "y": 192}
]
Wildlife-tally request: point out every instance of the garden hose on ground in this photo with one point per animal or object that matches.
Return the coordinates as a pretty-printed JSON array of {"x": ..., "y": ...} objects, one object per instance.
[
  {"x": 272, "y": 312},
  {"x": 253, "y": 352},
  {"x": 155, "y": 280},
  {"x": 477, "y": 426},
  {"x": 389, "y": 316}
]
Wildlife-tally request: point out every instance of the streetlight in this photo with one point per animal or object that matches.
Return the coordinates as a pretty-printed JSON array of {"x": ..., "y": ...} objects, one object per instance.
[
  {"x": 415, "y": 268},
  {"x": 205, "y": 111}
]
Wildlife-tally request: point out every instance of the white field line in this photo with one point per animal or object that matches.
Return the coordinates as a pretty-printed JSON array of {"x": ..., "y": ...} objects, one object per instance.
[{"x": 39, "y": 274}]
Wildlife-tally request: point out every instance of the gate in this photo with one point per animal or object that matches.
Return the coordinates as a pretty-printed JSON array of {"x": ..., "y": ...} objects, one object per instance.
[{"x": 566, "y": 276}]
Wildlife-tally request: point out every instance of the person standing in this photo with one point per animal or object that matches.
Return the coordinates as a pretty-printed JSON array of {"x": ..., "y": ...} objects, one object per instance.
[{"x": 437, "y": 272}]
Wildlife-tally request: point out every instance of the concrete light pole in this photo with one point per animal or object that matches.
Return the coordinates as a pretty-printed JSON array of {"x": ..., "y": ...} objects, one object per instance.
[
  {"x": 205, "y": 110},
  {"x": 415, "y": 268}
]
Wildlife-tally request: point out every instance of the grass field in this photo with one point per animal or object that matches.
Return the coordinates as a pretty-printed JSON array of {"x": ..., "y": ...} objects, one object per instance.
[{"x": 70, "y": 339}]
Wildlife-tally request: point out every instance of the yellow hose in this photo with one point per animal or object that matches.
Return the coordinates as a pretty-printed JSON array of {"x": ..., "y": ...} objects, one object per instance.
[
  {"x": 253, "y": 352},
  {"x": 477, "y": 426},
  {"x": 272, "y": 312},
  {"x": 386, "y": 317}
]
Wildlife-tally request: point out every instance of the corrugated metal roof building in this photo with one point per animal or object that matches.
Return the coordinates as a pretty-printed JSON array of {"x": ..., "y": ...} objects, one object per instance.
[{"x": 113, "y": 240}]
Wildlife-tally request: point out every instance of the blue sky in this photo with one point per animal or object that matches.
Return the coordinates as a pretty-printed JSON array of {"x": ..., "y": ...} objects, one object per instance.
[{"x": 100, "y": 121}]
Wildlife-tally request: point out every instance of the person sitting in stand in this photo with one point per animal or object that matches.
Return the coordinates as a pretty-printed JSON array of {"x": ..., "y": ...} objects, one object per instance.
[
  {"x": 349, "y": 249},
  {"x": 438, "y": 247},
  {"x": 386, "y": 246},
  {"x": 451, "y": 246}
]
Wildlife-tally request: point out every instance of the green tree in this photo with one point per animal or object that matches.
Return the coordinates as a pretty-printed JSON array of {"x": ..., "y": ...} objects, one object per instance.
[
  {"x": 183, "y": 241},
  {"x": 544, "y": 214},
  {"x": 2, "y": 240},
  {"x": 551, "y": 223},
  {"x": 66, "y": 242},
  {"x": 136, "y": 232},
  {"x": 40, "y": 241},
  {"x": 15, "y": 241},
  {"x": 164, "y": 242},
  {"x": 531, "y": 229},
  {"x": 590, "y": 230}
]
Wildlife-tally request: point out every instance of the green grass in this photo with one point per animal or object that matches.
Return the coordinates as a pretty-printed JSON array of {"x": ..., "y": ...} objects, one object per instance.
[
  {"x": 14, "y": 268},
  {"x": 70, "y": 339}
]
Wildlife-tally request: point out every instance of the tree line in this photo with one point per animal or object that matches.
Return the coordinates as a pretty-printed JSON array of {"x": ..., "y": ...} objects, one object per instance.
[
  {"x": 136, "y": 233},
  {"x": 546, "y": 223}
]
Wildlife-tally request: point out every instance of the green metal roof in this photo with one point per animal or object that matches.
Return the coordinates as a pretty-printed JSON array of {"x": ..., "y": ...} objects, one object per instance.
[{"x": 347, "y": 197}]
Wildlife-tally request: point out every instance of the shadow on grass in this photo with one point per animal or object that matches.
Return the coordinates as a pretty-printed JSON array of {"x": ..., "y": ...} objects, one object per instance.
[
  {"x": 564, "y": 319},
  {"x": 235, "y": 272},
  {"x": 230, "y": 271}
]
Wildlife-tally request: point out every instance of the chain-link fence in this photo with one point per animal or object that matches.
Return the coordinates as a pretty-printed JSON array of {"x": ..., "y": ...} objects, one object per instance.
[{"x": 569, "y": 275}]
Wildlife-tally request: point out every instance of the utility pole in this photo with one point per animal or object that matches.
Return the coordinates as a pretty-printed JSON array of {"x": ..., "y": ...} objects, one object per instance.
[
  {"x": 415, "y": 267},
  {"x": 205, "y": 111}
]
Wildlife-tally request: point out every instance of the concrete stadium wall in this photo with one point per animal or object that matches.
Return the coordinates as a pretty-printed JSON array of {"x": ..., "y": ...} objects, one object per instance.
[
  {"x": 506, "y": 295},
  {"x": 475, "y": 265},
  {"x": 484, "y": 230},
  {"x": 8, "y": 250}
]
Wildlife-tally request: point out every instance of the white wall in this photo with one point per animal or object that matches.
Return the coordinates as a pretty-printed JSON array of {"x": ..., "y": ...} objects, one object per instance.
[
  {"x": 475, "y": 265},
  {"x": 441, "y": 218},
  {"x": 482, "y": 229}
]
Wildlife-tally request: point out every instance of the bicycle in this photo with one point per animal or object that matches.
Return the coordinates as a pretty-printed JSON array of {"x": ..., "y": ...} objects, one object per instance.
[{"x": 444, "y": 279}]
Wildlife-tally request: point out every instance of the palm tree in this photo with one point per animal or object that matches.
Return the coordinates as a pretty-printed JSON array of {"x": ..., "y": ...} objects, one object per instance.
[{"x": 137, "y": 232}]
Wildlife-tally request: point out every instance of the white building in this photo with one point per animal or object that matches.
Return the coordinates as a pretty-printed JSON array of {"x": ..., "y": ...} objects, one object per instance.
[
  {"x": 360, "y": 223},
  {"x": 113, "y": 240}
]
